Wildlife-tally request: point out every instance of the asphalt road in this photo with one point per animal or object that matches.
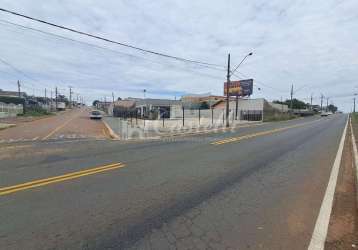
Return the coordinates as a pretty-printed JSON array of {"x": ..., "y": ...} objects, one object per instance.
[
  {"x": 260, "y": 189},
  {"x": 70, "y": 124}
]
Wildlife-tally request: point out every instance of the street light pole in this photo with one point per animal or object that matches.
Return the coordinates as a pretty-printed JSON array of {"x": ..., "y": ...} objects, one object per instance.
[
  {"x": 229, "y": 73},
  {"x": 354, "y": 105},
  {"x": 227, "y": 90}
]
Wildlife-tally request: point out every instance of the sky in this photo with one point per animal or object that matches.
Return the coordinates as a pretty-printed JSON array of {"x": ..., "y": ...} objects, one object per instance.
[{"x": 310, "y": 44}]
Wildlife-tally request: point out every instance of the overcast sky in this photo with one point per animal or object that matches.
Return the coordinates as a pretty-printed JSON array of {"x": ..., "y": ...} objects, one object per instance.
[{"x": 312, "y": 44}]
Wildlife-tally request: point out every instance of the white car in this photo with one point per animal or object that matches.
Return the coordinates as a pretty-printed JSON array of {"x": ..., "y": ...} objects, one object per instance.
[
  {"x": 326, "y": 113},
  {"x": 95, "y": 114}
]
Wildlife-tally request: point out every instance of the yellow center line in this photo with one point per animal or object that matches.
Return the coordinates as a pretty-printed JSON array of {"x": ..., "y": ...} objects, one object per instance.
[
  {"x": 239, "y": 138},
  {"x": 59, "y": 127},
  {"x": 60, "y": 178}
]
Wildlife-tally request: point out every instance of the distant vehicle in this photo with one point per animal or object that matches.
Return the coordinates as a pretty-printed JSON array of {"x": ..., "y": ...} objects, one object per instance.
[
  {"x": 326, "y": 113},
  {"x": 61, "y": 106},
  {"x": 95, "y": 114}
]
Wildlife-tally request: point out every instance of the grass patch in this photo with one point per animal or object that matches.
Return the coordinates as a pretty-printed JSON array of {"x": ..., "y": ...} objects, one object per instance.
[
  {"x": 36, "y": 112},
  {"x": 279, "y": 117},
  {"x": 354, "y": 117}
]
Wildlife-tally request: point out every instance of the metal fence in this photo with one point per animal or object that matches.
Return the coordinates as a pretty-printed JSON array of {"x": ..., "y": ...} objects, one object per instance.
[
  {"x": 191, "y": 118},
  {"x": 10, "y": 110}
]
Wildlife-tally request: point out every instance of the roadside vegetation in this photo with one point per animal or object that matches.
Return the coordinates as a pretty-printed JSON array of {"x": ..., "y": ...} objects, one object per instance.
[
  {"x": 36, "y": 112},
  {"x": 354, "y": 117},
  {"x": 279, "y": 117}
]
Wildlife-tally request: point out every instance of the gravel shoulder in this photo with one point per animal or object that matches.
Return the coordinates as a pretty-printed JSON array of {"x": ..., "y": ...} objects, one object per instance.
[{"x": 343, "y": 226}]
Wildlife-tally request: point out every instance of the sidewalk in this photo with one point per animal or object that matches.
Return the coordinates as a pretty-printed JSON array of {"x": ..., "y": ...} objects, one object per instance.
[
  {"x": 6, "y": 125},
  {"x": 155, "y": 129}
]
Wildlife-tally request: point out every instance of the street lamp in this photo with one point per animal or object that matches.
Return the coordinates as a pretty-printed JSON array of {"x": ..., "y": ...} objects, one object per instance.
[{"x": 229, "y": 74}]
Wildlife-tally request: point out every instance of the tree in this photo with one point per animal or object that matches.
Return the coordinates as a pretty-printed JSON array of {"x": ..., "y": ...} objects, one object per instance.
[
  {"x": 296, "y": 104},
  {"x": 95, "y": 103},
  {"x": 332, "y": 108},
  {"x": 204, "y": 105}
]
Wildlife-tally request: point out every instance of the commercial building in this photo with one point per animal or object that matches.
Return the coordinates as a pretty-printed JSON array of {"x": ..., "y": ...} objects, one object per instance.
[{"x": 251, "y": 109}]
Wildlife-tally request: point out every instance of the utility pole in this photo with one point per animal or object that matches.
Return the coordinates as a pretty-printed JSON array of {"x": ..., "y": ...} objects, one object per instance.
[
  {"x": 19, "y": 88},
  {"x": 51, "y": 101},
  {"x": 327, "y": 105},
  {"x": 311, "y": 101},
  {"x": 56, "y": 98},
  {"x": 321, "y": 102},
  {"x": 236, "y": 105},
  {"x": 112, "y": 97},
  {"x": 70, "y": 96},
  {"x": 291, "y": 99},
  {"x": 229, "y": 73},
  {"x": 227, "y": 90}
]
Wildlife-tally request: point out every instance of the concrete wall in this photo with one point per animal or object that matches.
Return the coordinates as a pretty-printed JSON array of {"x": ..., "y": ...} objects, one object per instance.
[
  {"x": 280, "y": 107},
  {"x": 176, "y": 112}
]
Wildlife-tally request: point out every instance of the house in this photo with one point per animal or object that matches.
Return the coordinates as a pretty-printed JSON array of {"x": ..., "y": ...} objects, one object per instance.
[{"x": 123, "y": 108}]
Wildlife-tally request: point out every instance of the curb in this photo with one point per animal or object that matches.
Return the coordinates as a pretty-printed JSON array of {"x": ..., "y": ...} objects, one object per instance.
[
  {"x": 111, "y": 133},
  {"x": 208, "y": 131},
  {"x": 355, "y": 154}
]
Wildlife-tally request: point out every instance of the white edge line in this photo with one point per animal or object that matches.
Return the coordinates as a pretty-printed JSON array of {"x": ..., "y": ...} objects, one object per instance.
[
  {"x": 355, "y": 153},
  {"x": 111, "y": 132},
  {"x": 319, "y": 235}
]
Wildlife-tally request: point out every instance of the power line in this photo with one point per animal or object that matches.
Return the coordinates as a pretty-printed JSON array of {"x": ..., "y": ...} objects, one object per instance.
[
  {"x": 107, "y": 39},
  {"x": 115, "y": 51},
  {"x": 260, "y": 82},
  {"x": 21, "y": 72},
  {"x": 94, "y": 45}
]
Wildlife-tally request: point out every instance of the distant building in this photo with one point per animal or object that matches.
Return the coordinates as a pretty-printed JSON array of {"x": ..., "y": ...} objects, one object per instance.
[
  {"x": 197, "y": 101},
  {"x": 12, "y": 93},
  {"x": 103, "y": 106},
  {"x": 154, "y": 108},
  {"x": 252, "y": 109}
]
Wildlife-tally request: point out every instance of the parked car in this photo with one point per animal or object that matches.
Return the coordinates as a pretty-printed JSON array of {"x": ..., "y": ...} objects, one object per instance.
[{"x": 95, "y": 114}]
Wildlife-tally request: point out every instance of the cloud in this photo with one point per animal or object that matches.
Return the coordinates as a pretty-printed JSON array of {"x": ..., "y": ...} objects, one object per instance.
[{"x": 295, "y": 42}]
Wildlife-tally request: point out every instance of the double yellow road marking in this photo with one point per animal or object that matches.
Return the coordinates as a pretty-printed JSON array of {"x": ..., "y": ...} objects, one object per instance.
[
  {"x": 268, "y": 132},
  {"x": 60, "y": 178}
]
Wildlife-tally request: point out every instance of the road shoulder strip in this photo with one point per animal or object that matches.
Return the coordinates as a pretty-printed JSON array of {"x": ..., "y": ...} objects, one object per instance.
[{"x": 319, "y": 235}]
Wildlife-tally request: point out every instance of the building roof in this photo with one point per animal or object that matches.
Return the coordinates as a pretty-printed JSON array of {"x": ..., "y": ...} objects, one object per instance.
[
  {"x": 125, "y": 103},
  {"x": 11, "y": 93},
  {"x": 155, "y": 102}
]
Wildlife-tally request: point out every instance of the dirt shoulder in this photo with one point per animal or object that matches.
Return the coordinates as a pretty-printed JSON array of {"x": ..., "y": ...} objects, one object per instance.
[{"x": 343, "y": 226}]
